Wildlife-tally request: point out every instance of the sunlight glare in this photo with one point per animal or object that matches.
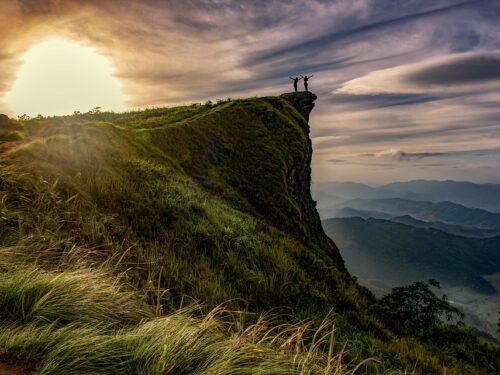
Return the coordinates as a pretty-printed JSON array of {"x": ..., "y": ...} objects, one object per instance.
[{"x": 59, "y": 77}]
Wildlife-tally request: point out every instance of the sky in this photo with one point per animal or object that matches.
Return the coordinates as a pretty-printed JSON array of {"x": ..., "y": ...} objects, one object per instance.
[{"x": 407, "y": 89}]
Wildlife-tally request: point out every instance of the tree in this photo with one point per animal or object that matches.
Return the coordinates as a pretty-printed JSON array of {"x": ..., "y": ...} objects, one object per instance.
[
  {"x": 95, "y": 111},
  {"x": 23, "y": 118},
  {"x": 415, "y": 309}
]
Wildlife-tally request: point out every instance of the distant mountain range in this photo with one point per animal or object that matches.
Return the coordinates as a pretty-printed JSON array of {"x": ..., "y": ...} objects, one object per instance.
[
  {"x": 402, "y": 232},
  {"x": 448, "y": 228},
  {"x": 485, "y": 196},
  {"x": 457, "y": 230},
  {"x": 446, "y": 212}
]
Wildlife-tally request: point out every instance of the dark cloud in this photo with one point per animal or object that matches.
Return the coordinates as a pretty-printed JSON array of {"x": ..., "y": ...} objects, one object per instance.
[
  {"x": 473, "y": 69},
  {"x": 401, "y": 131},
  {"x": 385, "y": 100},
  {"x": 349, "y": 32},
  {"x": 400, "y": 155},
  {"x": 480, "y": 152},
  {"x": 445, "y": 159},
  {"x": 465, "y": 40}
]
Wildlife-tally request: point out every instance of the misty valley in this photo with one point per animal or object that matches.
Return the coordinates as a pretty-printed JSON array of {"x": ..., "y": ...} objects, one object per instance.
[{"x": 403, "y": 232}]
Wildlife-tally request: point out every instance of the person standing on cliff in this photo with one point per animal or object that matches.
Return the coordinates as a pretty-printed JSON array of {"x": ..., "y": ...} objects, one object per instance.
[
  {"x": 295, "y": 82},
  {"x": 306, "y": 81}
]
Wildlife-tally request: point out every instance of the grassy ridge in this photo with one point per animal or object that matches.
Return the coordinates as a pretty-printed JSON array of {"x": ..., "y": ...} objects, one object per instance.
[
  {"x": 208, "y": 203},
  {"x": 79, "y": 182}
]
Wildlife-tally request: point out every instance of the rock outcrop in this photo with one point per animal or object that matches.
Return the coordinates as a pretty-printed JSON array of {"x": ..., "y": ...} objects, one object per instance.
[{"x": 302, "y": 101}]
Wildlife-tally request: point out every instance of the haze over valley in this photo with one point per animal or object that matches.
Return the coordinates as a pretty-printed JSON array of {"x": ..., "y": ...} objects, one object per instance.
[{"x": 395, "y": 234}]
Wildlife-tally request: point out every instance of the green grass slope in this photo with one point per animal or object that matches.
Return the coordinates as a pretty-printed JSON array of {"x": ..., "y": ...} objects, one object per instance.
[
  {"x": 134, "y": 189},
  {"x": 111, "y": 224}
]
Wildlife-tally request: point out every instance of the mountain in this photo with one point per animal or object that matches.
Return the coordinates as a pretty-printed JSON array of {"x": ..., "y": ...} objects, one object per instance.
[
  {"x": 331, "y": 195},
  {"x": 485, "y": 196},
  {"x": 346, "y": 189},
  {"x": 446, "y": 212},
  {"x": 458, "y": 230},
  {"x": 365, "y": 214},
  {"x": 113, "y": 225},
  {"x": 448, "y": 228},
  {"x": 416, "y": 253},
  {"x": 386, "y": 254}
]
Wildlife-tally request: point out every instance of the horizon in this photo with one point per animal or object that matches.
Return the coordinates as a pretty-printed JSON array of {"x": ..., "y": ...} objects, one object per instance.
[
  {"x": 403, "y": 182},
  {"x": 404, "y": 90}
]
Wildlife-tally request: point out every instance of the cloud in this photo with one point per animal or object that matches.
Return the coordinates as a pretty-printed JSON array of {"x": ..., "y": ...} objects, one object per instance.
[
  {"x": 169, "y": 52},
  {"x": 339, "y": 161},
  {"x": 356, "y": 27},
  {"x": 478, "y": 68},
  {"x": 399, "y": 155},
  {"x": 463, "y": 73},
  {"x": 386, "y": 99},
  {"x": 328, "y": 138},
  {"x": 398, "y": 70},
  {"x": 478, "y": 152}
]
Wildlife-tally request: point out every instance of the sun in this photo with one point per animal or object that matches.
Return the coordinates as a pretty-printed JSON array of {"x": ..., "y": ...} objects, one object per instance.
[{"x": 60, "y": 76}]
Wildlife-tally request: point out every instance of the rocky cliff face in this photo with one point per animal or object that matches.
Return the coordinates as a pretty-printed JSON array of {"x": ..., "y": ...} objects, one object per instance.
[
  {"x": 302, "y": 102},
  {"x": 299, "y": 176}
]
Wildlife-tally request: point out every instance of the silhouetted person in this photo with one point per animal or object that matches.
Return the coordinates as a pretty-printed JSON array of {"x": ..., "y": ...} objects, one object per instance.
[
  {"x": 295, "y": 82},
  {"x": 306, "y": 80}
]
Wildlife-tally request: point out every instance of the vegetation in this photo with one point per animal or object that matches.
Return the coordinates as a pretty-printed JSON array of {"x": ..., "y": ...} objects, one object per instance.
[
  {"x": 114, "y": 226},
  {"x": 415, "y": 309},
  {"x": 83, "y": 322}
]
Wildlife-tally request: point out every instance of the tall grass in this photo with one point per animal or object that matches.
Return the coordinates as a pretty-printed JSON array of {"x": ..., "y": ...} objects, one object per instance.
[
  {"x": 31, "y": 295},
  {"x": 83, "y": 322}
]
